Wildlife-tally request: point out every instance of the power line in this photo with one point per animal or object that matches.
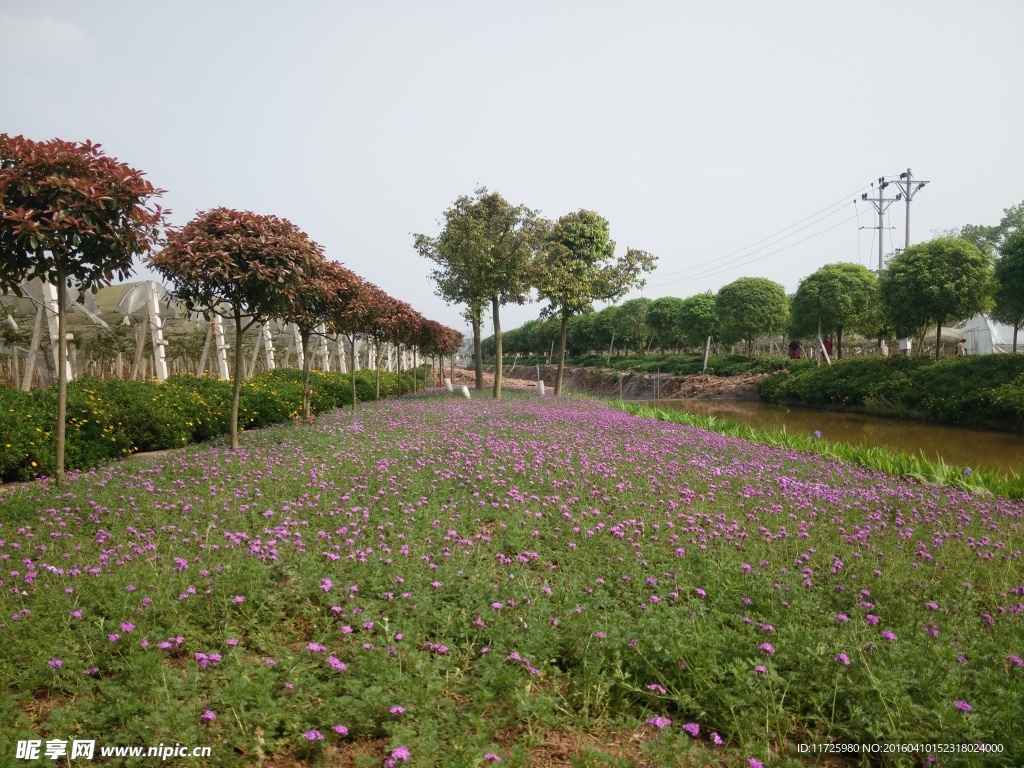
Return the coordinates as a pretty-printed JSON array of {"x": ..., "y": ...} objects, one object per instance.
[
  {"x": 770, "y": 237},
  {"x": 751, "y": 261}
]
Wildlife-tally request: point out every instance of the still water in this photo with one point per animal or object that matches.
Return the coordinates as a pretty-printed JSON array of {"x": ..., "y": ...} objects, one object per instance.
[{"x": 974, "y": 448}]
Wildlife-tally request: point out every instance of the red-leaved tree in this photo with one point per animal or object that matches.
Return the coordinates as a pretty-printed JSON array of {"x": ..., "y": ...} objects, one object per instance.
[
  {"x": 72, "y": 216},
  {"x": 240, "y": 265}
]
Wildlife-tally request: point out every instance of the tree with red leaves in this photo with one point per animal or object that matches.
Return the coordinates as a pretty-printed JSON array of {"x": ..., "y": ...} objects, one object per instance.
[
  {"x": 72, "y": 216},
  {"x": 242, "y": 266},
  {"x": 316, "y": 304}
]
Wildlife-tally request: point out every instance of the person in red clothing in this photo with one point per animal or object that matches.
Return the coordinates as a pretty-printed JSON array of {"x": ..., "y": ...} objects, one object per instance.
[{"x": 827, "y": 343}]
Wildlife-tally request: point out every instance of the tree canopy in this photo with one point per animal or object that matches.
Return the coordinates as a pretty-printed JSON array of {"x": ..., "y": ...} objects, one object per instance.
[
  {"x": 1009, "y": 293},
  {"x": 947, "y": 279},
  {"x": 577, "y": 266},
  {"x": 662, "y": 314},
  {"x": 751, "y": 307},
  {"x": 697, "y": 319},
  {"x": 71, "y": 216},
  {"x": 242, "y": 265},
  {"x": 835, "y": 297}
]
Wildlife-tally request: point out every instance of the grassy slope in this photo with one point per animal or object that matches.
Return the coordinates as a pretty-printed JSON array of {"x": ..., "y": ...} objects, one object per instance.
[{"x": 497, "y": 569}]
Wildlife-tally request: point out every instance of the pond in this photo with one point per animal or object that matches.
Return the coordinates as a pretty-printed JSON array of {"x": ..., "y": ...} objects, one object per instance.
[{"x": 975, "y": 448}]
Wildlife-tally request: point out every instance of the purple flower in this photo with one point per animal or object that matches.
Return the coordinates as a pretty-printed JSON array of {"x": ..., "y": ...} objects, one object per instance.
[
  {"x": 492, "y": 758},
  {"x": 889, "y": 635},
  {"x": 842, "y": 658},
  {"x": 397, "y": 710},
  {"x": 657, "y": 689},
  {"x": 127, "y": 626},
  {"x": 76, "y": 614},
  {"x": 870, "y": 619},
  {"x": 209, "y": 716},
  {"x": 314, "y": 735},
  {"x": 238, "y": 599},
  {"x": 232, "y": 642},
  {"x": 716, "y": 739},
  {"x": 963, "y": 706},
  {"x": 842, "y": 617},
  {"x": 92, "y": 671},
  {"x": 341, "y": 729},
  {"x": 113, "y": 637},
  {"x": 760, "y": 669},
  {"x": 316, "y": 647},
  {"x": 325, "y": 585},
  {"x": 753, "y": 762},
  {"x": 1014, "y": 659},
  {"x": 692, "y": 728},
  {"x": 55, "y": 663},
  {"x": 701, "y": 593},
  {"x": 401, "y": 753},
  {"x": 660, "y": 722},
  {"x": 336, "y": 664},
  {"x": 497, "y": 606},
  {"x": 767, "y": 648},
  {"x": 269, "y": 661}
]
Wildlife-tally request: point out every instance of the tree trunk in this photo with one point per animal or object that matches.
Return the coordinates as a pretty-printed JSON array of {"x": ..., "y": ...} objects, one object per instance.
[
  {"x": 561, "y": 353},
  {"x": 938, "y": 338},
  {"x": 376, "y": 359},
  {"x": 236, "y": 390},
  {"x": 478, "y": 352},
  {"x": 398, "y": 366},
  {"x": 1016, "y": 327},
  {"x": 414, "y": 370},
  {"x": 62, "y": 374},
  {"x": 497, "y": 347},
  {"x": 353, "y": 374},
  {"x": 839, "y": 342},
  {"x": 306, "y": 407}
]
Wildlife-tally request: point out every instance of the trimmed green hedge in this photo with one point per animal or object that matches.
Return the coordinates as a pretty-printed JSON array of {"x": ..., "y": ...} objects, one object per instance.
[
  {"x": 111, "y": 418},
  {"x": 986, "y": 390},
  {"x": 681, "y": 365}
]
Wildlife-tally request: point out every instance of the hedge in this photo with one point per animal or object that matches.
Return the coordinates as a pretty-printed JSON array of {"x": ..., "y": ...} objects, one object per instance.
[
  {"x": 985, "y": 391},
  {"x": 111, "y": 418}
]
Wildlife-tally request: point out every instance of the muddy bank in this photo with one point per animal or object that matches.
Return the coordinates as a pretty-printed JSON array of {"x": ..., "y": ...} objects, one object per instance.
[{"x": 605, "y": 382}]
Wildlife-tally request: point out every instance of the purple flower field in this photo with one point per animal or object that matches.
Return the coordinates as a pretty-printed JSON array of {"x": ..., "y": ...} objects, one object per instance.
[{"x": 438, "y": 581}]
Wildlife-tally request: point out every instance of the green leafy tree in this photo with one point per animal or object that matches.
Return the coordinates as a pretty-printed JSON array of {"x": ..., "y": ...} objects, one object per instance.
[
  {"x": 751, "y": 307},
  {"x": 697, "y": 319},
  {"x": 836, "y": 297},
  {"x": 240, "y": 265},
  {"x": 990, "y": 239},
  {"x": 485, "y": 255},
  {"x": 661, "y": 320},
  {"x": 577, "y": 267},
  {"x": 1009, "y": 273},
  {"x": 944, "y": 280},
  {"x": 74, "y": 217},
  {"x": 631, "y": 324}
]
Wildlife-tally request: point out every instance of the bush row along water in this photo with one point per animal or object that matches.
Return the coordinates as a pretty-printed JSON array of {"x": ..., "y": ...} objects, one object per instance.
[
  {"x": 111, "y": 418},
  {"x": 679, "y": 365},
  {"x": 984, "y": 391}
]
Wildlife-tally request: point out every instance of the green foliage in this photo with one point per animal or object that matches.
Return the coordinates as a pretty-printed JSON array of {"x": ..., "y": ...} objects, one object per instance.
[
  {"x": 977, "y": 390},
  {"x": 837, "y": 297},
  {"x": 946, "y": 279},
  {"x": 1009, "y": 273},
  {"x": 108, "y": 419},
  {"x": 630, "y": 325},
  {"x": 661, "y": 321},
  {"x": 751, "y": 307},
  {"x": 878, "y": 458},
  {"x": 697, "y": 319}
]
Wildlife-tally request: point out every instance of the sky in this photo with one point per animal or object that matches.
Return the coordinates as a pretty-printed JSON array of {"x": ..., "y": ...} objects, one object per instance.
[{"x": 729, "y": 139}]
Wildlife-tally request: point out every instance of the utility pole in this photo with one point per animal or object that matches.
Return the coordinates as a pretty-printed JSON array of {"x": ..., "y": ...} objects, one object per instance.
[
  {"x": 881, "y": 205},
  {"x": 908, "y": 190}
]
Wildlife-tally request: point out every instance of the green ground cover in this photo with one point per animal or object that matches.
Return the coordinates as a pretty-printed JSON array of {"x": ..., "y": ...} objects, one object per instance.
[
  {"x": 985, "y": 390},
  {"x": 435, "y": 581}
]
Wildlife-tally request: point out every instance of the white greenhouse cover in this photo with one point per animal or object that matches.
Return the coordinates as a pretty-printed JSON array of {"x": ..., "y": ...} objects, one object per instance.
[{"x": 985, "y": 336}]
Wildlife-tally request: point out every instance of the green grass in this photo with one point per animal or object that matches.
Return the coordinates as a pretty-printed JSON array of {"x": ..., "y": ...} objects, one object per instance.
[
  {"x": 521, "y": 568},
  {"x": 879, "y": 458}
]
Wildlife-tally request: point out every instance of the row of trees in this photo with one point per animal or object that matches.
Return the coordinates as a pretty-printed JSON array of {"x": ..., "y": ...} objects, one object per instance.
[
  {"x": 945, "y": 280},
  {"x": 77, "y": 218},
  {"x": 490, "y": 252}
]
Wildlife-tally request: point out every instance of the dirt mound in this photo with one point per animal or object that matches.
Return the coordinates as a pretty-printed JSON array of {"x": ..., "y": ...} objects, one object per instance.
[{"x": 606, "y": 382}]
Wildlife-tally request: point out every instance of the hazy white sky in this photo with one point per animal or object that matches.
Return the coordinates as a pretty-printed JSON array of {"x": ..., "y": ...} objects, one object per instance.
[{"x": 698, "y": 129}]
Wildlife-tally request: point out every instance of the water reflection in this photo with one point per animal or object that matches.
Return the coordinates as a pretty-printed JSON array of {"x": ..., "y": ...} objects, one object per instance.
[{"x": 974, "y": 448}]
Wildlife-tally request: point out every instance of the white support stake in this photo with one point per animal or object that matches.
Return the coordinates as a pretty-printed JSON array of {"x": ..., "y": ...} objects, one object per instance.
[
  {"x": 156, "y": 328},
  {"x": 268, "y": 345},
  {"x": 222, "y": 348}
]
